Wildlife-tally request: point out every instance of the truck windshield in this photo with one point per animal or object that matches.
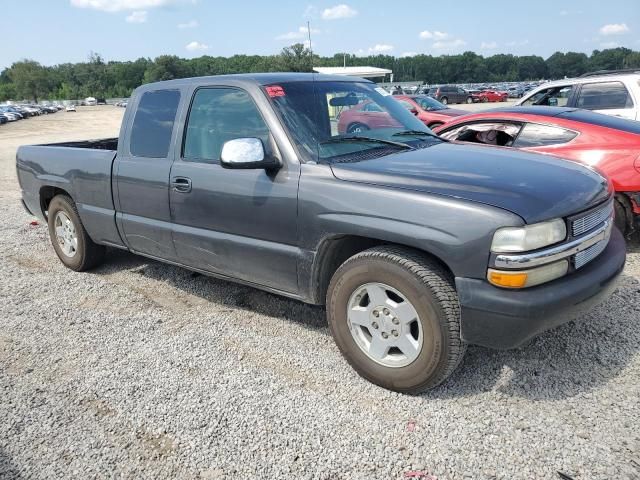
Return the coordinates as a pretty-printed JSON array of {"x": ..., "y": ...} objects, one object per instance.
[{"x": 342, "y": 120}]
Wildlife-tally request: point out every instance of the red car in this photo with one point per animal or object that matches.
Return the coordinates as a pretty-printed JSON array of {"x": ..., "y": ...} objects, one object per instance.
[
  {"x": 429, "y": 110},
  {"x": 489, "y": 96},
  {"x": 609, "y": 144},
  {"x": 365, "y": 116}
]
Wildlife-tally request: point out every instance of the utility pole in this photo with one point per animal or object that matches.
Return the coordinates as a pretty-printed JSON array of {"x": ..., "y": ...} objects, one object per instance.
[{"x": 310, "y": 49}]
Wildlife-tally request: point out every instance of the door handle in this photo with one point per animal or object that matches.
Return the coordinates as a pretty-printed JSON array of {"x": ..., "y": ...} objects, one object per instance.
[{"x": 181, "y": 184}]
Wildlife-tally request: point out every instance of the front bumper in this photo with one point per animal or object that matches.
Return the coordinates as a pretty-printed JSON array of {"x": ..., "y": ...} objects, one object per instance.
[{"x": 499, "y": 318}]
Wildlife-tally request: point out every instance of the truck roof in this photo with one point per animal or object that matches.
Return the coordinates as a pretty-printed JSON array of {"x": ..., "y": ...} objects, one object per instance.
[{"x": 254, "y": 79}]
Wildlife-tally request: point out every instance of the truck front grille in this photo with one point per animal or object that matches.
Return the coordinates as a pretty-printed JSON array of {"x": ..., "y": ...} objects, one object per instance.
[
  {"x": 582, "y": 258},
  {"x": 591, "y": 219}
]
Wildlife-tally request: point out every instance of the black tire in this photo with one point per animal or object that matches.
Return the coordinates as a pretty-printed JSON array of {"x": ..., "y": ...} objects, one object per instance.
[
  {"x": 469, "y": 99},
  {"x": 434, "y": 125},
  {"x": 624, "y": 215},
  {"x": 357, "y": 127},
  {"x": 88, "y": 254},
  {"x": 484, "y": 99},
  {"x": 429, "y": 288},
  {"x": 444, "y": 101}
]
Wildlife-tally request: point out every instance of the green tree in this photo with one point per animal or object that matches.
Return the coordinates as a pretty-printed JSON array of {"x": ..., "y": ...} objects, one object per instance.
[
  {"x": 296, "y": 58},
  {"x": 30, "y": 79}
]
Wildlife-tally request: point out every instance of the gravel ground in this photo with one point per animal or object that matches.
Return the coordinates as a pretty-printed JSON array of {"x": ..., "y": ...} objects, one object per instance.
[{"x": 143, "y": 370}]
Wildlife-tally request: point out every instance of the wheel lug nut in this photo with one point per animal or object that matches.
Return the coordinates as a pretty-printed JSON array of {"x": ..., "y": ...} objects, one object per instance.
[
  {"x": 395, "y": 321},
  {"x": 385, "y": 335},
  {"x": 376, "y": 313},
  {"x": 385, "y": 311},
  {"x": 374, "y": 325},
  {"x": 394, "y": 333}
]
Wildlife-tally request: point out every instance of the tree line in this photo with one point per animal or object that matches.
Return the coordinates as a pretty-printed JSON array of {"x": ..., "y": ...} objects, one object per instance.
[{"x": 29, "y": 80}]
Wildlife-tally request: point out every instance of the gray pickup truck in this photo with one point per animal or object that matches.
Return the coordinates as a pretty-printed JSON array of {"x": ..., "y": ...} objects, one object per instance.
[{"x": 326, "y": 190}]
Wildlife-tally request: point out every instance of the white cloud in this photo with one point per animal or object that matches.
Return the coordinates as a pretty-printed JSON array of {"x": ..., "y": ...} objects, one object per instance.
[
  {"x": 196, "y": 47},
  {"x": 449, "y": 45},
  {"x": 409, "y": 54},
  {"x": 381, "y": 48},
  {"x": 437, "y": 35},
  {"x": 190, "y": 24},
  {"x": 564, "y": 12},
  {"x": 488, "y": 45},
  {"x": 299, "y": 34},
  {"x": 614, "y": 29},
  {"x": 609, "y": 45},
  {"x": 137, "y": 17},
  {"x": 120, "y": 5},
  {"x": 339, "y": 11}
]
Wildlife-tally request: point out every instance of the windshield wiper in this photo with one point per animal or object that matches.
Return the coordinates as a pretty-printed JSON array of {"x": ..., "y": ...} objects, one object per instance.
[
  {"x": 367, "y": 140},
  {"x": 415, "y": 133}
]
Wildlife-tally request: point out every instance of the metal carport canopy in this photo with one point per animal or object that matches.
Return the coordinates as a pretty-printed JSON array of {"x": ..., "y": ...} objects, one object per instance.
[{"x": 364, "y": 72}]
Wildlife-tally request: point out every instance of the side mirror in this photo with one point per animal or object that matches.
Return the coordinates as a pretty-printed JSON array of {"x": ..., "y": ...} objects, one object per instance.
[{"x": 246, "y": 153}]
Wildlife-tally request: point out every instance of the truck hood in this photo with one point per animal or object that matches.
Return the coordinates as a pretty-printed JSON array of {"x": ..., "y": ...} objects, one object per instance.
[{"x": 536, "y": 187}]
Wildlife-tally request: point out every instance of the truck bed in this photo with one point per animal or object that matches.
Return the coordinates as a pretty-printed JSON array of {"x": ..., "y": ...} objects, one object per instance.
[
  {"x": 82, "y": 170},
  {"x": 99, "y": 144}
]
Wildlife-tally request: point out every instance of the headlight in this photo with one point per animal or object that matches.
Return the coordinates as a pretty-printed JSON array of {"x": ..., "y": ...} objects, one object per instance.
[
  {"x": 527, "y": 278},
  {"x": 529, "y": 237}
]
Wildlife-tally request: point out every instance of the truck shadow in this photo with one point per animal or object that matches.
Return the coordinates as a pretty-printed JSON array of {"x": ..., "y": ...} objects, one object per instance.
[{"x": 561, "y": 363}]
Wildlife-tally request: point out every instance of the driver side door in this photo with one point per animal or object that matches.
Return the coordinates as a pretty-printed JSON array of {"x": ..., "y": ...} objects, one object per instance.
[{"x": 233, "y": 222}]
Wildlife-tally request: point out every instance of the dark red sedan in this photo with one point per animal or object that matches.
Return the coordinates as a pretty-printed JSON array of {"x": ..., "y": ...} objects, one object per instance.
[
  {"x": 429, "y": 110},
  {"x": 490, "y": 96},
  {"x": 609, "y": 144}
]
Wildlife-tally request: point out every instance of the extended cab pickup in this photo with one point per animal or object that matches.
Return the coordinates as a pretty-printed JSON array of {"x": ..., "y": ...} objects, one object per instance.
[{"x": 417, "y": 246}]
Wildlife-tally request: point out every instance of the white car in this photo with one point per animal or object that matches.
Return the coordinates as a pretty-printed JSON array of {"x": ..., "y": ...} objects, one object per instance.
[
  {"x": 612, "y": 93},
  {"x": 71, "y": 108}
]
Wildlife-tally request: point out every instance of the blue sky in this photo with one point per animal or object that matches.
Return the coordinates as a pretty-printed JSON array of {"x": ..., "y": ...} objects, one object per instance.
[{"x": 58, "y": 31}]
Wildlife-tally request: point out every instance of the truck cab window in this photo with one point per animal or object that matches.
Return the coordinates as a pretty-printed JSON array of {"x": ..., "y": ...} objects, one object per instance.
[
  {"x": 218, "y": 115},
  {"x": 153, "y": 124}
]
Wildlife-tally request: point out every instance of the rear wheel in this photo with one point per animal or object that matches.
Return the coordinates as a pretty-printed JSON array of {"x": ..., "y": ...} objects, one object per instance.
[
  {"x": 395, "y": 316},
  {"x": 444, "y": 100},
  {"x": 69, "y": 238},
  {"x": 484, "y": 99},
  {"x": 357, "y": 128}
]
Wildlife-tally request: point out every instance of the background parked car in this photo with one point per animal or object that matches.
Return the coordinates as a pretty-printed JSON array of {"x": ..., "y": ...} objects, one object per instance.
[
  {"x": 71, "y": 108},
  {"x": 485, "y": 96},
  {"x": 615, "y": 93},
  {"x": 430, "y": 111},
  {"x": 610, "y": 144},
  {"x": 450, "y": 94},
  {"x": 364, "y": 116}
]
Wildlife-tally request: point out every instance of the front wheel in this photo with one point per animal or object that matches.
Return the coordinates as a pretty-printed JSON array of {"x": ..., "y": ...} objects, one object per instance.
[
  {"x": 469, "y": 100},
  {"x": 69, "y": 238},
  {"x": 395, "y": 316},
  {"x": 444, "y": 100}
]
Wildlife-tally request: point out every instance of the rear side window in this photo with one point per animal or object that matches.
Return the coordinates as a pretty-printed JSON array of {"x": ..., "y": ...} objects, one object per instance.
[
  {"x": 153, "y": 124},
  {"x": 534, "y": 135},
  {"x": 603, "y": 96}
]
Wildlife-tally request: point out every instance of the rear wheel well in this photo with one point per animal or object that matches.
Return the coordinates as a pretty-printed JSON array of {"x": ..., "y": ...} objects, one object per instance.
[
  {"x": 47, "y": 194},
  {"x": 335, "y": 251}
]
